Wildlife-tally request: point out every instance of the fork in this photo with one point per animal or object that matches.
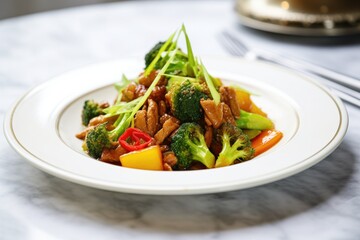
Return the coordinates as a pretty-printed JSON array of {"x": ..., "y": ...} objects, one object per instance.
[{"x": 344, "y": 87}]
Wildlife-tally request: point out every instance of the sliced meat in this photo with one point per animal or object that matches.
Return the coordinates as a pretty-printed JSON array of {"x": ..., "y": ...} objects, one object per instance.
[
  {"x": 167, "y": 167},
  {"x": 152, "y": 117},
  {"x": 104, "y": 105},
  {"x": 164, "y": 148},
  {"x": 233, "y": 104},
  {"x": 147, "y": 119},
  {"x": 168, "y": 127},
  {"x": 223, "y": 94},
  {"x": 140, "y": 120},
  {"x": 207, "y": 121},
  {"x": 112, "y": 155},
  {"x": 140, "y": 90},
  {"x": 128, "y": 93},
  {"x": 228, "y": 95},
  {"x": 168, "y": 99},
  {"x": 228, "y": 117},
  {"x": 170, "y": 158},
  {"x": 95, "y": 122},
  {"x": 102, "y": 119},
  {"x": 213, "y": 112},
  {"x": 162, "y": 108},
  {"x": 158, "y": 93},
  {"x": 81, "y": 135},
  {"x": 147, "y": 80},
  {"x": 163, "y": 118}
]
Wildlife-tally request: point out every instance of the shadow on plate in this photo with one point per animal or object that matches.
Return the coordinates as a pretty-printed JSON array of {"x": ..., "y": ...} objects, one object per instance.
[{"x": 266, "y": 204}]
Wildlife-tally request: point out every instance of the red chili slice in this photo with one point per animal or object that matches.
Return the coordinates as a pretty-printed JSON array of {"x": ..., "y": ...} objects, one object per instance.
[{"x": 134, "y": 139}]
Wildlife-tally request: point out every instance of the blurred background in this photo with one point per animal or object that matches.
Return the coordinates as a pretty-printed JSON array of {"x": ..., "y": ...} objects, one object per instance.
[{"x": 13, "y": 8}]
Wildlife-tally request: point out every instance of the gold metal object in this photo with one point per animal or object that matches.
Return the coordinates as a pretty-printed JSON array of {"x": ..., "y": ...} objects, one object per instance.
[{"x": 301, "y": 17}]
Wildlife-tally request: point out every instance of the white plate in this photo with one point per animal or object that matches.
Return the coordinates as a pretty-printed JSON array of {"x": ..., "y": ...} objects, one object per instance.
[{"x": 42, "y": 124}]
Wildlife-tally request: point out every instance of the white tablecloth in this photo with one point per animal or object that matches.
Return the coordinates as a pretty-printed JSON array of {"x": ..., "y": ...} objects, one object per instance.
[{"x": 322, "y": 202}]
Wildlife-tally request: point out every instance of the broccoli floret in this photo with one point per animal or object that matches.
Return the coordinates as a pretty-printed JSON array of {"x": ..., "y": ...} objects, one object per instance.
[
  {"x": 189, "y": 145},
  {"x": 235, "y": 145},
  {"x": 99, "y": 137},
  {"x": 96, "y": 140},
  {"x": 149, "y": 57},
  {"x": 90, "y": 110},
  {"x": 185, "y": 100}
]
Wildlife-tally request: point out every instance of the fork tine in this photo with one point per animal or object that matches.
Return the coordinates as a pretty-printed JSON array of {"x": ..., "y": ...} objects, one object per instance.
[
  {"x": 231, "y": 46},
  {"x": 239, "y": 47}
]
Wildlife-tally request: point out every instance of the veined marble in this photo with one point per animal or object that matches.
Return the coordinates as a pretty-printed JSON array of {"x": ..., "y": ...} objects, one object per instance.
[{"x": 322, "y": 202}]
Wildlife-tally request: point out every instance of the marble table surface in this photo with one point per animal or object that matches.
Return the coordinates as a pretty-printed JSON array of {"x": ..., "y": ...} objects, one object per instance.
[{"x": 322, "y": 202}]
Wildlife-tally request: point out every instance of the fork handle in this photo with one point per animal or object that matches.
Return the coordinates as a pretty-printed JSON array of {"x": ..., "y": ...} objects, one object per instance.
[
  {"x": 312, "y": 68},
  {"x": 348, "y": 94}
]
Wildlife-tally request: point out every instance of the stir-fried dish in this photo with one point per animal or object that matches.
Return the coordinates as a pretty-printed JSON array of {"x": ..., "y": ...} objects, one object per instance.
[{"x": 176, "y": 116}]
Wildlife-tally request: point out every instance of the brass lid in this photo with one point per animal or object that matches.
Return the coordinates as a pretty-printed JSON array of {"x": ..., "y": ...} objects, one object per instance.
[{"x": 301, "y": 17}]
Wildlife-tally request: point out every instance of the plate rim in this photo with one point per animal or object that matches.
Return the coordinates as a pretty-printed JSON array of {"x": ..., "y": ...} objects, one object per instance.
[{"x": 107, "y": 185}]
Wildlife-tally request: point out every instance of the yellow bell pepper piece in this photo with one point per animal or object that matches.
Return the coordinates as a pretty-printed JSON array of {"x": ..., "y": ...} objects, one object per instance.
[
  {"x": 148, "y": 159},
  {"x": 244, "y": 99}
]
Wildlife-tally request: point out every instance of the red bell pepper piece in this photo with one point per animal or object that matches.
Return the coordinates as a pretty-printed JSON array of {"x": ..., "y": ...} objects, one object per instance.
[{"x": 134, "y": 139}]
